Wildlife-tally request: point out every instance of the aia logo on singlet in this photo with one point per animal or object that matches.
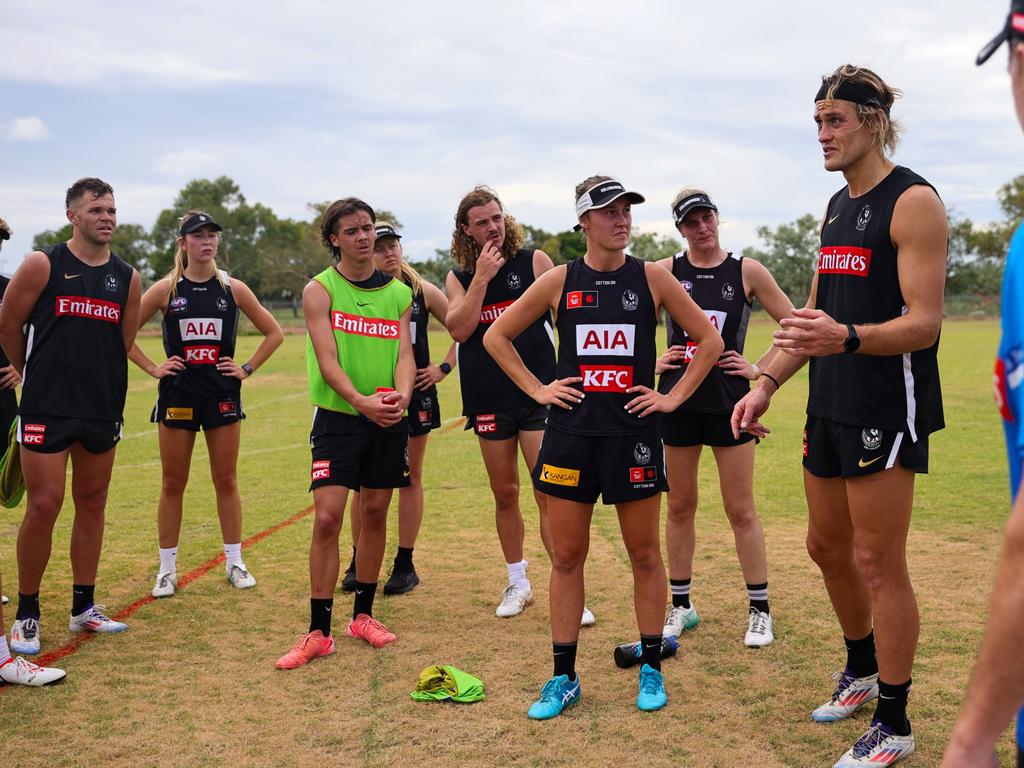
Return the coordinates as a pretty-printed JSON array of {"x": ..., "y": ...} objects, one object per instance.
[
  {"x": 844, "y": 260},
  {"x": 365, "y": 326},
  {"x": 196, "y": 328},
  {"x": 614, "y": 339},
  {"x": 606, "y": 378},
  {"x": 84, "y": 306},
  {"x": 491, "y": 312}
]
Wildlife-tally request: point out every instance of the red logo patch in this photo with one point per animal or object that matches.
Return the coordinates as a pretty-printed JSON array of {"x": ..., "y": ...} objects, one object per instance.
[
  {"x": 484, "y": 417},
  {"x": 606, "y": 378},
  {"x": 491, "y": 312},
  {"x": 84, "y": 306},
  {"x": 202, "y": 354},
  {"x": 643, "y": 474},
  {"x": 844, "y": 260},
  {"x": 33, "y": 434},
  {"x": 424, "y": 417},
  {"x": 321, "y": 470},
  {"x": 805, "y": 442},
  {"x": 1018, "y": 22},
  {"x": 33, "y": 427},
  {"x": 365, "y": 326},
  {"x": 227, "y": 406},
  {"x": 1001, "y": 390},
  {"x": 577, "y": 299}
]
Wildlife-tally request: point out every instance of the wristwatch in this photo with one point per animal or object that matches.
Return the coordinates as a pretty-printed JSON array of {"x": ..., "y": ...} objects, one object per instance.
[
  {"x": 445, "y": 368},
  {"x": 247, "y": 368},
  {"x": 852, "y": 343}
]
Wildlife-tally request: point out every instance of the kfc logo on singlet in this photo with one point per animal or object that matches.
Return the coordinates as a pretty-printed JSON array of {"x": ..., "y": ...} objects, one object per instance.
[
  {"x": 491, "y": 312},
  {"x": 614, "y": 339},
  {"x": 202, "y": 354},
  {"x": 606, "y": 378},
  {"x": 321, "y": 470},
  {"x": 196, "y": 328},
  {"x": 377, "y": 327},
  {"x": 844, "y": 260},
  {"x": 83, "y": 306}
]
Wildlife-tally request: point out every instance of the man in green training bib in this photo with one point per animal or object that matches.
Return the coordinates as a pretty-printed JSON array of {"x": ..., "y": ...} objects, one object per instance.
[{"x": 361, "y": 373}]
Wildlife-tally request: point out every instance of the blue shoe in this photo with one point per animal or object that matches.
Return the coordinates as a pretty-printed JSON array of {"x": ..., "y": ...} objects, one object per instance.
[
  {"x": 652, "y": 694},
  {"x": 557, "y": 694}
]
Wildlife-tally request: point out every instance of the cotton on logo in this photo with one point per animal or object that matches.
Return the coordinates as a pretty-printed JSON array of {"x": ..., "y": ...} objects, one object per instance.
[
  {"x": 321, "y": 470},
  {"x": 200, "y": 328},
  {"x": 612, "y": 339},
  {"x": 606, "y": 378},
  {"x": 202, "y": 354}
]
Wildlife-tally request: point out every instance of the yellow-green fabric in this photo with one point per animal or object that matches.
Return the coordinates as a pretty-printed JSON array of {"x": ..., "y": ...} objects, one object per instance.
[
  {"x": 12, "y": 481},
  {"x": 443, "y": 682}
]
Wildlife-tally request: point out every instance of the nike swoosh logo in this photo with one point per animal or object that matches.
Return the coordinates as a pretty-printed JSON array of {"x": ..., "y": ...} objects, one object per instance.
[
  {"x": 71, "y": 277},
  {"x": 328, "y": 608},
  {"x": 861, "y": 463},
  {"x": 834, "y": 218},
  {"x": 359, "y": 591},
  {"x": 367, "y": 304}
]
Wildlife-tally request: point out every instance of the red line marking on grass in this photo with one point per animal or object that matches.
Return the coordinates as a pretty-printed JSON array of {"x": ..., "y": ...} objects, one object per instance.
[{"x": 49, "y": 658}]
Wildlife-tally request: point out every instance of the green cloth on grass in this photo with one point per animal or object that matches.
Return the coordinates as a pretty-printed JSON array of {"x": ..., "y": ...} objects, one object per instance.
[
  {"x": 12, "y": 482},
  {"x": 443, "y": 682}
]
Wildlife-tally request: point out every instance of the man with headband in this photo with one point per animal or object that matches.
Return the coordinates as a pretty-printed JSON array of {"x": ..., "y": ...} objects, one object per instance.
[
  {"x": 870, "y": 329},
  {"x": 997, "y": 686}
]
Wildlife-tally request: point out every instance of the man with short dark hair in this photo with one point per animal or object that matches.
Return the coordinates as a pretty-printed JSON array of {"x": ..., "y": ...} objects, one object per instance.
[
  {"x": 997, "y": 685},
  {"x": 68, "y": 319}
]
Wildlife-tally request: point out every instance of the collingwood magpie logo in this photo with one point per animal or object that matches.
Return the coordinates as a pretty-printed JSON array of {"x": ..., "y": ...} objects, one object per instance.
[
  {"x": 110, "y": 282},
  {"x": 863, "y": 218},
  {"x": 728, "y": 292},
  {"x": 222, "y": 304},
  {"x": 630, "y": 301},
  {"x": 642, "y": 453},
  {"x": 871, "y": 439},
  {"x": 514, "y": 281}
]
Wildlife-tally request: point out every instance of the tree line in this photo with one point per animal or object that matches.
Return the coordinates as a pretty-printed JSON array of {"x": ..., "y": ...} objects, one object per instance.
[{"x": 276, "y": 256}]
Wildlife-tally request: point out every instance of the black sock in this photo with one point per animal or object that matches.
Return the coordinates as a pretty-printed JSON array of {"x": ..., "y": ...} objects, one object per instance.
[
  {"x": 81, "y": 598},
  {"x": 320, "y": 614},
  {"x": 28, "y": 606},
  {"x": 650, "y": 650},
  {"x": 352, "y": 562},
  {"x": 892, "y": 706},
  {"x": 758, "y": 596},
  {"x": 565, "y": 659},
  {"x": 680, "y": 589},
  {"x": 860, "y": 656},
  {"x": 404, "y": 557},
  {"x": 364, "y": 598}
]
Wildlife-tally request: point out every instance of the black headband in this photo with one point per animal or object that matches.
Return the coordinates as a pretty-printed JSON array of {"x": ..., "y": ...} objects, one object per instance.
[{"x": 858, "y": 94}]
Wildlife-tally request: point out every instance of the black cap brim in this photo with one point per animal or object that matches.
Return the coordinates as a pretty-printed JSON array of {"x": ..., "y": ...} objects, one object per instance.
[
  {"x": 986, "y": 53},
  {"x": 633, "y": 197},
  {"x": 197, "y": 222}
]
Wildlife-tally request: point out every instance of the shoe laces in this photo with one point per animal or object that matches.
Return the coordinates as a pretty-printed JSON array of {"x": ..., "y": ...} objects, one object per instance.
[
  {"x": 303, "y": 642},
  {"x": 843, "y": 681},
  {"x": 29, "y": 628},
  {"x": 649, "y": 682},
  {"x": 96, "y": 612},
  {"x": 551, "y": 691},
  {"x": 26, "y": 667},
  {"x": 240, "y": 569},
  {"x": 875, "y": 737},
  {"x": 758, "y": 622},
  {"x": 164, "y": 579},
  {"x": 513, "y": 591},
  {"x": 373, "y": 623}
]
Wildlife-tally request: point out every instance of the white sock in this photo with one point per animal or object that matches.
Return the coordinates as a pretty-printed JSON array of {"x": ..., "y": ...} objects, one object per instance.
[
  {"x": 168, "y": 560},
  {"x": 517, "y": 574},
  {"x": 5, "y": 652},
  {"x": 233, "y": 554}
]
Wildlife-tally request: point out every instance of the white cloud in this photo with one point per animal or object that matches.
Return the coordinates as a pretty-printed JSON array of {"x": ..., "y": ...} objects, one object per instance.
[
  {"x": 24, "y": 129},
  {"x": 188, "y": 163}
]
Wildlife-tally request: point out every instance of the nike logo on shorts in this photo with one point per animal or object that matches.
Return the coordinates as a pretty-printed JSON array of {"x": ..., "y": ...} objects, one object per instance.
[{"x": 861, "y": 463}]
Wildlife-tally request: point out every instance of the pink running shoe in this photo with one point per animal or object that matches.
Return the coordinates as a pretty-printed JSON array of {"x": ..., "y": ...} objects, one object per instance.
[
  {"x": 306, "y": 649},
  {"x": 370, "y": 630}
]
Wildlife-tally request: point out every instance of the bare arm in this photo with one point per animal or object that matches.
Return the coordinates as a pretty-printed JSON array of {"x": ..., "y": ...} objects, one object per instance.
[
  {"x": 130, "y": 320},
  {"x": 405, "y": 367},
  {"x": 265, "y": 324},
  {"x": 155, "y": 298},
  {"x": 758, "y": 284},
  {"x": 22, "y": 294},
  {"x": 541, "y": 263},
  {"x": 437, "y": 305},
  {"x": 464, "y": 304}
]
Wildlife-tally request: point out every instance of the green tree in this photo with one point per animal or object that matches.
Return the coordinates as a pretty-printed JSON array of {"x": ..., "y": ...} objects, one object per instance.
[
  {"x": 650, "y": 247},
  {"x": 790, "y": 254},
  {"x": 131, "y": 242}
]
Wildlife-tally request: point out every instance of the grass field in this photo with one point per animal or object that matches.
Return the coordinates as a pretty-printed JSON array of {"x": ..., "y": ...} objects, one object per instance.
[{"x": 193, "y": 684}]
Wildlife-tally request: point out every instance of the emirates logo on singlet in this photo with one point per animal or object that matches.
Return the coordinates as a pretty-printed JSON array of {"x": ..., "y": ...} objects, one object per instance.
[
  {"x": 844, "y": 260},
  {"x": 84, "y": 306},
  {"x": 365, "y": 326},
  {"x": 491, "y": 312}
]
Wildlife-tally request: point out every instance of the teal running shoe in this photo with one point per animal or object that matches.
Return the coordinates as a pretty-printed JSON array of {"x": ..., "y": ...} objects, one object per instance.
[
  {"x": 652, "y": 694},
  {"x": 557, "y": 694}
]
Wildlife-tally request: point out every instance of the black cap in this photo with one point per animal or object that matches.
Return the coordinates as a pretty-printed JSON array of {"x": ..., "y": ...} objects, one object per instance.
[
  {"x": 383, "y": 229},
  {"x": 1012, "y": 30},
  {"x": 603, "y": 194},
  {"x": 688, "y": 203},
  {"x": 198, "y": 221}
]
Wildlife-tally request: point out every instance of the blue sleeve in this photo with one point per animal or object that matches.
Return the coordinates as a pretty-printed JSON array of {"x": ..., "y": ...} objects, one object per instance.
[{"x": 1009, "y": 373}]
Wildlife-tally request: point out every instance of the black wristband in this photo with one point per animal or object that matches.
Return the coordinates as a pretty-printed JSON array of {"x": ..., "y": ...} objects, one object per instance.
[
  {"x": 445, "y": 368},
  {"x": 772, "y": 379},
  {"x": 247, "y": 368}
]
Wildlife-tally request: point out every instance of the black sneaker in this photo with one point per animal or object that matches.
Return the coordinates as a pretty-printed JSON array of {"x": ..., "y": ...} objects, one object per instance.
[
  {"x": 348, "y": 583},
  {"x": 402, "y": 580}
]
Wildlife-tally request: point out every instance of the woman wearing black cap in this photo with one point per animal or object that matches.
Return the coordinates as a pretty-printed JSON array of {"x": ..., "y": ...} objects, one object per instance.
[
  {"x": 601, "y": 437},
  {"x": 724, "y": 286},
  {"x": 200, "y": 386}
]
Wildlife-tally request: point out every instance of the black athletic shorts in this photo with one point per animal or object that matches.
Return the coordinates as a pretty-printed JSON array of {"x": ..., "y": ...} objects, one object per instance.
[
  {"x": 832, "y": 449},
  {"x": 620, "y": 468},
  {"x": 53, "y": 434},
  {"x": 424, "y": 413},
  {"x": 682, "y": 429},
  {"x": 354, "y": 452},
  {"x": 501, "y": 425},
  {"x": 182, "y": 410}
]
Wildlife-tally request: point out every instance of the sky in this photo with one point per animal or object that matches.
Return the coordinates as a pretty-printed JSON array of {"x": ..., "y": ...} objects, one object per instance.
[{"x": 409, "y": 105}]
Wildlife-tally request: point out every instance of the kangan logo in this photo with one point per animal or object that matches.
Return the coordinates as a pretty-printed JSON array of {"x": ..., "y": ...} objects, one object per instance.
[
  {"x": 642, "y": 453},
  {"x": 728, "y": 292},
  {"x": 630, "y": 301},
  {"x": 863, "y": 218},
  {"x": 514, "y": 281},
  {"x": 871, "y": 439}
]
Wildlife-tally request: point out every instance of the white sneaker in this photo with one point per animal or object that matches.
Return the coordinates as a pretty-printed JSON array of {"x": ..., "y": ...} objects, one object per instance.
[
  {"x": 878, "y": 746},
  {"x": 759, "y": 629},
  {"x": 93, "y": 620},
  {"x": 851, "y": 694},
  {"x": 18, "y": 671},
  {"x": 25, "y": 636},
  {"x": 678, "y": 619},
  {"x": 588, "y": 619},
  {"x": 240, "y": 578},
  {"x": 514, "y": 600},
  {"x": 166, "y": 584}
]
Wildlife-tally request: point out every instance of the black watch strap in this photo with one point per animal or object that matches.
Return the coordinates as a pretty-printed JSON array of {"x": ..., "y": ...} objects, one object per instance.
[
  {"x": 852, "y": 343},
  {"x": 247, "y": 368},
  {"x": 445, "y": 368}
]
